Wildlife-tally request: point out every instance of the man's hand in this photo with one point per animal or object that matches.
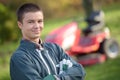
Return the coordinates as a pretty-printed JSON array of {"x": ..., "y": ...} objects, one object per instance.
[{"x": 64, "y": 65}]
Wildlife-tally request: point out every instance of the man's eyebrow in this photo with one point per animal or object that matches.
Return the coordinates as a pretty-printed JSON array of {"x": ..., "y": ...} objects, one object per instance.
[
  {"x": 30, "y": 20},
  {"x": 40, "y": 19}
]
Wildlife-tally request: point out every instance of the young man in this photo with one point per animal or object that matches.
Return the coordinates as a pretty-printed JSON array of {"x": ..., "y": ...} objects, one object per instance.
[{"x": 37, "y": 60}]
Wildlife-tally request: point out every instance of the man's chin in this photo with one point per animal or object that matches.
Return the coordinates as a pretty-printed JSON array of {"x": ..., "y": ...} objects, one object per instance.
[{"x": 36, "y": 37}]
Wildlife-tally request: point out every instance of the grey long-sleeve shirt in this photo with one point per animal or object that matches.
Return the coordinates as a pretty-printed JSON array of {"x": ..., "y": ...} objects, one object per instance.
[{"x": 29, "y": 62}]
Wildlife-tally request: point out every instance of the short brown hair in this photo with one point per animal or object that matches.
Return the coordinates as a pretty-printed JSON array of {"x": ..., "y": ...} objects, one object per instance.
[{"x": 27, "y": 7}]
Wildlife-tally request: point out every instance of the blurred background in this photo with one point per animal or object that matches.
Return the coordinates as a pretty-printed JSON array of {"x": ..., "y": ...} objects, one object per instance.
[{"x": 58, "y": 13}]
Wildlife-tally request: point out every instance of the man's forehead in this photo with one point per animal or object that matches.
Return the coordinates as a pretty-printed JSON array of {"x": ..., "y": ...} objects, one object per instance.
[{"x": 33, "y": 15}]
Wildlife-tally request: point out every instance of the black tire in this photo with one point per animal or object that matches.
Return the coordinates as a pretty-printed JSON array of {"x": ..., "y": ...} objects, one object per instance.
[{"x": 109, "y": 47}]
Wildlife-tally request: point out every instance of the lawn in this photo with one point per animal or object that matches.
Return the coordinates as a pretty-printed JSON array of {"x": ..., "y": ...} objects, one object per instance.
[{"x": 105, "y": 71}]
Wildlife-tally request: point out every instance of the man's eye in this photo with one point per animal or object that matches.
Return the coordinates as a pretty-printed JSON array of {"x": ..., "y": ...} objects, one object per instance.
[
  {"x": 40, "y": 21},
  {"x": 30, "y": 22}
]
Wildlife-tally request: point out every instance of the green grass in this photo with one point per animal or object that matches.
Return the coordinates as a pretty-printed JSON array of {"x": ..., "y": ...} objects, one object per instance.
[
  {"x": 4, "y": 72},
  {"x": 106, "y": 71},
  {"x": 112, "y": 18}
]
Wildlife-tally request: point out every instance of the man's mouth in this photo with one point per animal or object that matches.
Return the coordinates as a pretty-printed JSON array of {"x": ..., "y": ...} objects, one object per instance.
[{"x": 36, "y": 31}]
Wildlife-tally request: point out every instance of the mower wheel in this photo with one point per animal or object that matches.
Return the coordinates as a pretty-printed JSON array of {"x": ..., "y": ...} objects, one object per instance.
[{"x": 110, "y": 47}]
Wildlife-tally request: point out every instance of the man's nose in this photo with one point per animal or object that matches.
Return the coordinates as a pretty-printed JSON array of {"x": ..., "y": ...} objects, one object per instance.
[{"x": 36, "y": 25}]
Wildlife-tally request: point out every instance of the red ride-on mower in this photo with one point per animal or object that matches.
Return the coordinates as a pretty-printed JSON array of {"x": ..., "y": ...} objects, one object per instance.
[{"x": 95, "y": 46}]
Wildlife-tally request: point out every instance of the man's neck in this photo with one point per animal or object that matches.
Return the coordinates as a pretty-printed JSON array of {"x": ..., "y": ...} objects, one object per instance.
[{"x": 36, "y": 41}]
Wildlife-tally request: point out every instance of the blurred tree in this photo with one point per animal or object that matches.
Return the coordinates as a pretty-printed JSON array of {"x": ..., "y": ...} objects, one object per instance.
[
  {"x": 53, "y": 8},
  {"x": 7, "y": 26},
  {"x": 91, "y": 5}
]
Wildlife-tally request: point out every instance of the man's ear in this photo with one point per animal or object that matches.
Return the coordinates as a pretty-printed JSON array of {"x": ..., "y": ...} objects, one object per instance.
[{"x": 19, "y": 24}]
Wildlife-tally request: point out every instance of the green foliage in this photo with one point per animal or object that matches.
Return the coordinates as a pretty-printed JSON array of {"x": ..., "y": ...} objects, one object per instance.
[{"x": 7, "y": 25}]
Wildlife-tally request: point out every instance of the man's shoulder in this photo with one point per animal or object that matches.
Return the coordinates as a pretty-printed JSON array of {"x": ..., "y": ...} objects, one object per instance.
[
  {"x": 19, "y": 52},
  {"x": 50, "y": 44}
]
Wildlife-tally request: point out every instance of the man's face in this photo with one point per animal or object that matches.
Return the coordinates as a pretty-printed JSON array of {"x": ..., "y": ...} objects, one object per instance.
[{"x": 31, "y": 25}]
